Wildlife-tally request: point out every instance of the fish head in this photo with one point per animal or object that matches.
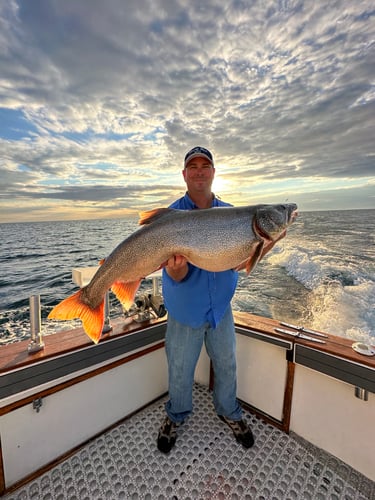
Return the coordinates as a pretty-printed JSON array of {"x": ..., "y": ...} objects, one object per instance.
[{"x": 271, "y": 221}]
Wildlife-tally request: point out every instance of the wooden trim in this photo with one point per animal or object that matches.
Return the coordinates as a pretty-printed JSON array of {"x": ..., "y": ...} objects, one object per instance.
[
  {"x": 15, "y": 356},
  {"x": 288, "y": 396}
]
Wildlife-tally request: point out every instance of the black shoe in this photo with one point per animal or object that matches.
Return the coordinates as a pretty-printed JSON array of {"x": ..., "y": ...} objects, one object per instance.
[
  {"x": 167, "y": 435},
  {"x": 241, "y": 431}
]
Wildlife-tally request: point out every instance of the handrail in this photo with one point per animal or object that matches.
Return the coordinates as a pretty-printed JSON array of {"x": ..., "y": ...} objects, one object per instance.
[{"x": 36, "y": 343}]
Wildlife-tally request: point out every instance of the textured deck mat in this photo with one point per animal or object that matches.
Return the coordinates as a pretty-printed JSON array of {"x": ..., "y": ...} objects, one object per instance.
[{"x": 206, "y": 463}]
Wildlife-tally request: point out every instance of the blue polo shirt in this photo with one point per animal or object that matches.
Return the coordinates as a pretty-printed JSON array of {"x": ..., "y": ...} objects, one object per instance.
[{"x": 202, "y": 296}]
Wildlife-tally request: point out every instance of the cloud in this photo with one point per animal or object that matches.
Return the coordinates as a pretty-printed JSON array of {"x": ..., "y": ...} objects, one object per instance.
[{"x": 94, "y": 95}]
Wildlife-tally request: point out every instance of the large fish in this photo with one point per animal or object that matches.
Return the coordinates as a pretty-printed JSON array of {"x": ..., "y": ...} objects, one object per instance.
[{"x": 216, "y": 239}]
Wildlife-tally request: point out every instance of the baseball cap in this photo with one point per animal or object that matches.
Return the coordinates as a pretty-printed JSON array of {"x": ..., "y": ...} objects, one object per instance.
[{"x": 196, "y": 152}]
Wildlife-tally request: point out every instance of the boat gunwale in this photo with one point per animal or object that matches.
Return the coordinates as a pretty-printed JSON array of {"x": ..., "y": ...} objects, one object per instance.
[{"x": 15, "y": 356}]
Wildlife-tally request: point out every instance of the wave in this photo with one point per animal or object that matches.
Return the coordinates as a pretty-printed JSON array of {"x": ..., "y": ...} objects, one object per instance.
[
  {"x": 318, "y": 265},
  {"x": 341, "y": 293},
  {"x": 344, "y": 310}
]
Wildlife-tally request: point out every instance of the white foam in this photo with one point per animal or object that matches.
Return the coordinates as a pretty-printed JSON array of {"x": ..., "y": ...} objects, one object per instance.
[
  {"x": 299, "y": 263},
  {"x": 343, "y": 310},
  {"x": 341, "y": 298}
]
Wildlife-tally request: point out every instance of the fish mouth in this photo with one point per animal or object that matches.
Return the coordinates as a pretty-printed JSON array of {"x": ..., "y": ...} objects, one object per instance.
[
  {"x": 293, "y": 216},
  {"x": 273, "y": 228}
]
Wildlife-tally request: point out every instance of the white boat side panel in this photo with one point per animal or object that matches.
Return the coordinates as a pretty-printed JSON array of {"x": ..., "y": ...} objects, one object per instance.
[
  {"x": 71, "y": 416},
  {"x": 326, "y": 413},
  {"x": 60, "y": 380},
  {"x": 261, "y": 375}
]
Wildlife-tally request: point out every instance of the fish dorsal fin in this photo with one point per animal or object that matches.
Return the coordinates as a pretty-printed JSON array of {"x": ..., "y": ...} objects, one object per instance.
[{"x": 152, "y": 215}]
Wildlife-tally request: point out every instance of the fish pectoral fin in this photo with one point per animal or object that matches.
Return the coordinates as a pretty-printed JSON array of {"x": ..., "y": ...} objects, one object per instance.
[
  {"x": 152, "y": 215},
  {"x": 253, "y": 260},
  {"x": 73, "y": 307},
  {"x": 269, "y": 245},
  {"x": 125, "y": 291}
]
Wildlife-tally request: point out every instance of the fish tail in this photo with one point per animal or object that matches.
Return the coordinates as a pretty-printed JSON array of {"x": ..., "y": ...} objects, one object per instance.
[
  {"x": 125, "y": 291},
  {"x": 73, "y": 307}
]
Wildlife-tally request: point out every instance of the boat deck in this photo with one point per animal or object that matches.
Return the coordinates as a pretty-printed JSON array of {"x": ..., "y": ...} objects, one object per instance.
[{"x": 206, "y": 463}]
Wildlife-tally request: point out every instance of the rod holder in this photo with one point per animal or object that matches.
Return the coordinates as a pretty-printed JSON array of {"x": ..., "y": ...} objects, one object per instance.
[
  {"x": 107, "y": 326},
  {"x": 36, "y": 343},
  {"x": 155, "y": 285}
]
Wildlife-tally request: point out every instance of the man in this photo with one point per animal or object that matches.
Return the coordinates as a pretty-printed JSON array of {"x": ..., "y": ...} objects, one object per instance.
[{"x": 199, "y": 310}]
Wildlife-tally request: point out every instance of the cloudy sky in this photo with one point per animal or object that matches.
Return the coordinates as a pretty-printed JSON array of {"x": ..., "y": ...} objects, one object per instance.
[{"x": 100, "y": 100}]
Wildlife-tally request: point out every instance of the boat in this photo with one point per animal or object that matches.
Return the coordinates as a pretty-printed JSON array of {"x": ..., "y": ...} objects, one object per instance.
[{"x": 79, "y": 420}]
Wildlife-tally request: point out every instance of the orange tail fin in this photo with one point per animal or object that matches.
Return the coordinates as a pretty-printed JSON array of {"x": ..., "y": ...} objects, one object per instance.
[
  {"x": 125, "y": 292},
  {"x": 73, "y": 307}
]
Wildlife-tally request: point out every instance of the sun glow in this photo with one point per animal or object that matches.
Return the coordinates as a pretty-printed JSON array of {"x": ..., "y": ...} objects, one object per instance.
[{"x": 220, "y": 185}]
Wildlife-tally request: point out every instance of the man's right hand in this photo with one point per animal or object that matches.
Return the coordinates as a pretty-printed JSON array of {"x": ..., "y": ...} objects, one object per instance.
[{"x": 177, "y": 267}]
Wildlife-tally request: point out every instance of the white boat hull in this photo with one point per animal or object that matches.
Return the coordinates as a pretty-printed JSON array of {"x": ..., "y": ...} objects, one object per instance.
[{"x": 90, "y": 388}]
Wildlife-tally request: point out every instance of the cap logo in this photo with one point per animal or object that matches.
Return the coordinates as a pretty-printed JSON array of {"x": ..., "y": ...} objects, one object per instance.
[{"x": 198, "y": 151}]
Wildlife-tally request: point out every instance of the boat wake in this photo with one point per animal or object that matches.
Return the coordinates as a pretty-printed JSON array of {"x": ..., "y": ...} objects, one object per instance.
[{"x": 341, "y": 295}]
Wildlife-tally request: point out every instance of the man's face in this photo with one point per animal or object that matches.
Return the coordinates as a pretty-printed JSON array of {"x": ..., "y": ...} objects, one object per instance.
[{"x": 199, "y": 174}]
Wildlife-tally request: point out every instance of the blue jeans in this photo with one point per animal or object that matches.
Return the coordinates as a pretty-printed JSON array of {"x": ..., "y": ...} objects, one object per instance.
[{"x": 183, "y": 345}]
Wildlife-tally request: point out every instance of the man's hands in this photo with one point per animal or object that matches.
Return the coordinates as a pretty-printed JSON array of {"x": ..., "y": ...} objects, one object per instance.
[{"x": 177, "y": 267}]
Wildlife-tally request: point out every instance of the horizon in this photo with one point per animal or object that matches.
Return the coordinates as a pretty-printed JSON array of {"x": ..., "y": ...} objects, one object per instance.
[
  {"x": 135, "y": 215},
  {"x": 100, "y": 102}
]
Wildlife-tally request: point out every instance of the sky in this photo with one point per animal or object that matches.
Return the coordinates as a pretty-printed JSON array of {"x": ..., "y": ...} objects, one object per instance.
[{"x": 100, "y": 101}]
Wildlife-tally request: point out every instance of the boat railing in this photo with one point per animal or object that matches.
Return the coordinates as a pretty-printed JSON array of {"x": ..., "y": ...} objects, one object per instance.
[
  {"x": 36, "y": 342},
  {"x": 145, "y": 307}
]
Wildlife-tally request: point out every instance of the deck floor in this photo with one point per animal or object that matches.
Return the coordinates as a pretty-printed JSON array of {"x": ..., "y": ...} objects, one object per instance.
[{"x": 206, "y": 463}]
